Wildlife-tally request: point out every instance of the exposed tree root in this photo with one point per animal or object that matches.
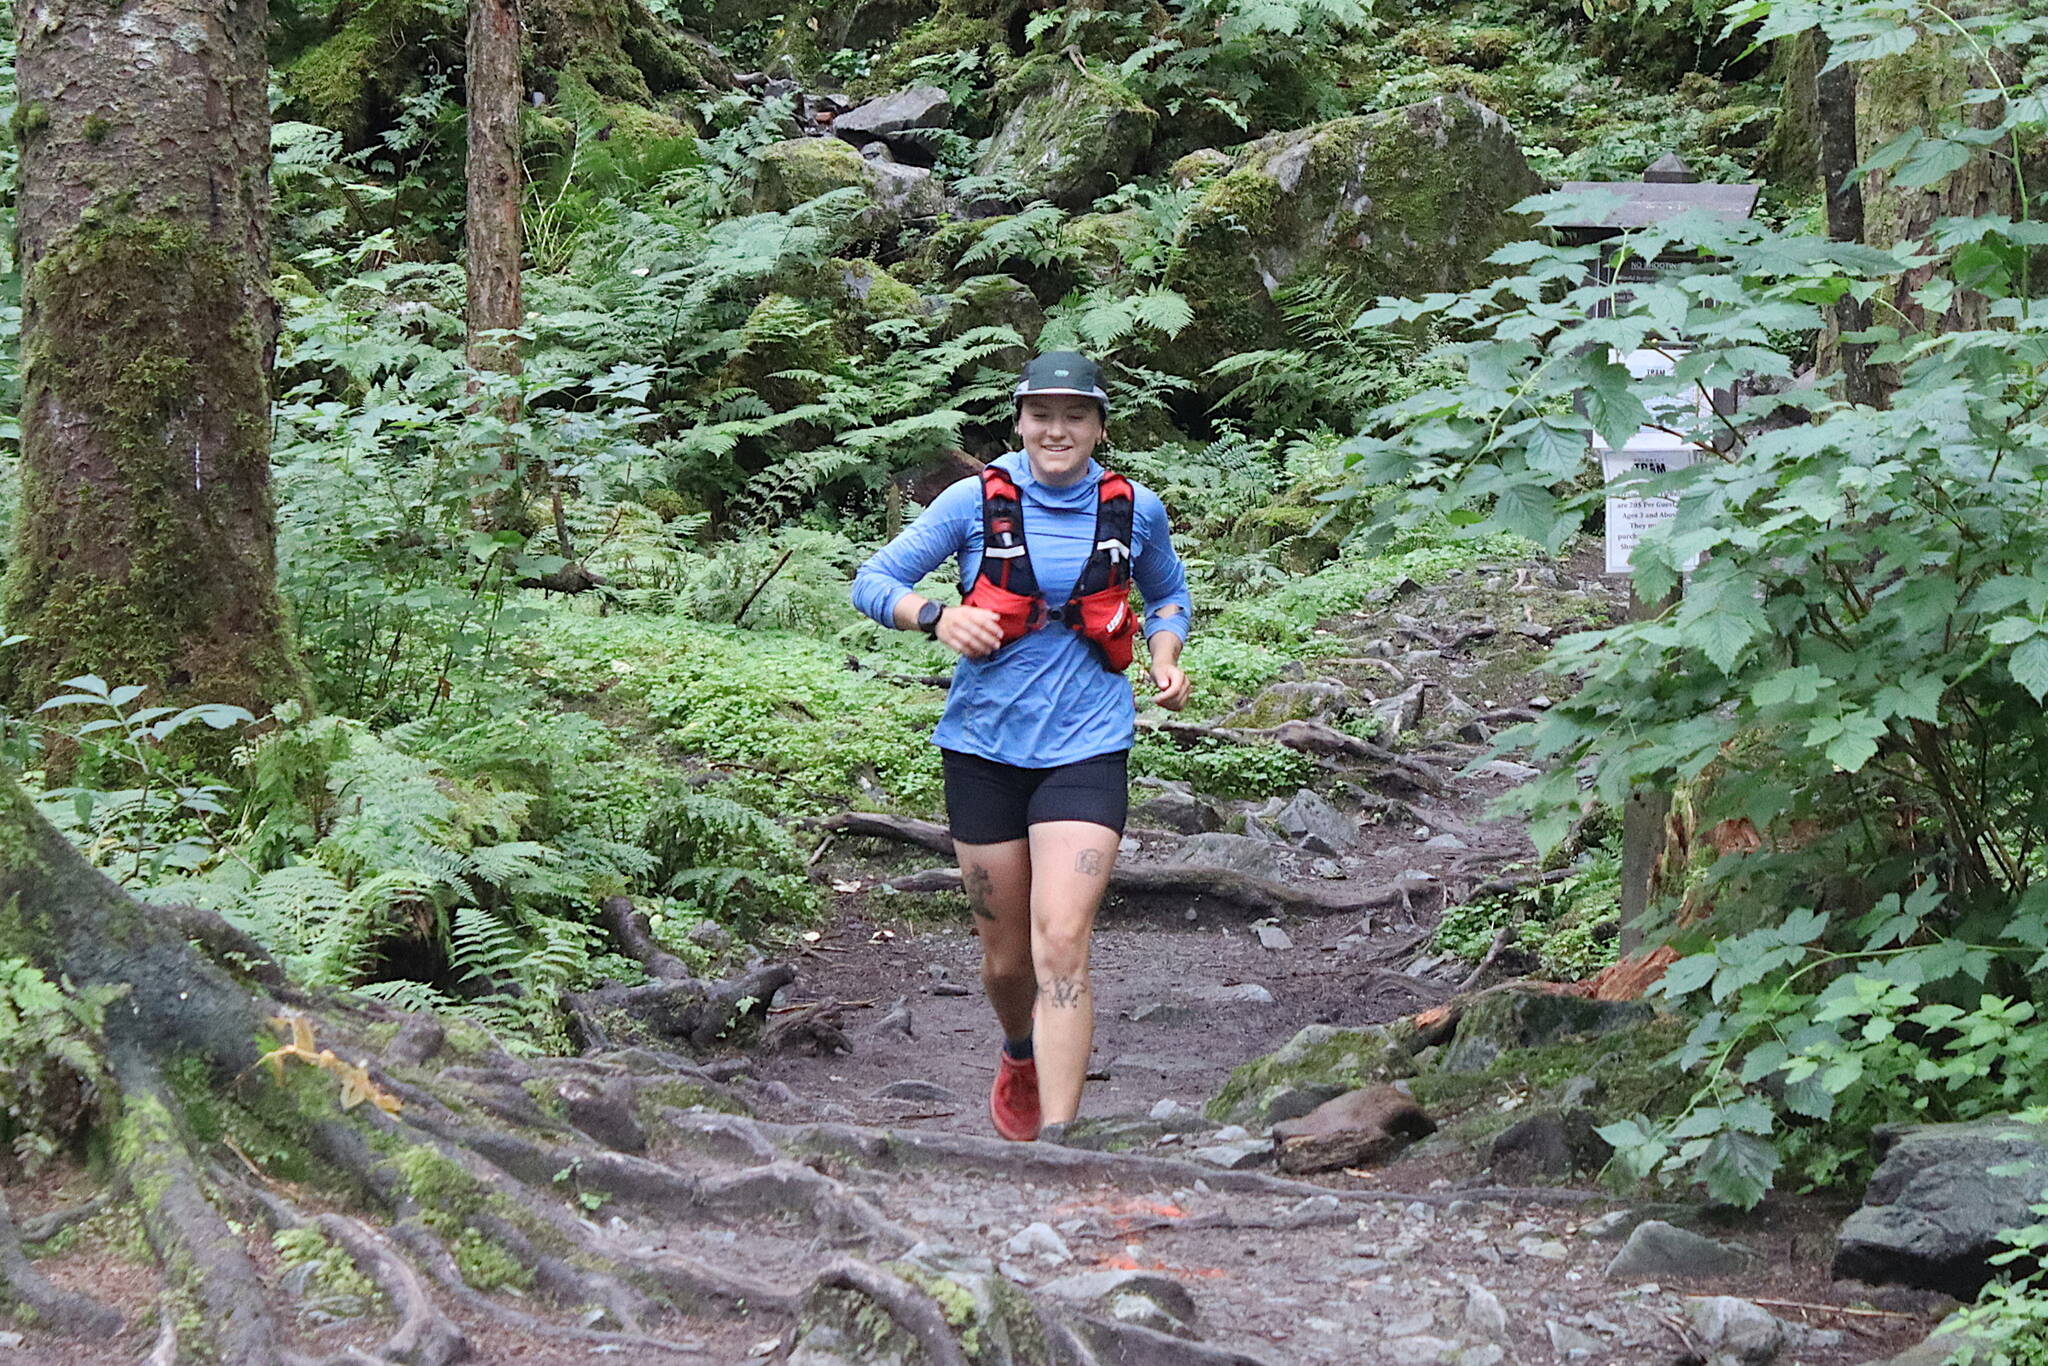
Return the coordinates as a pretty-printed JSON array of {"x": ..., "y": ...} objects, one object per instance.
[
  {"x": 903, "y": 1149},
  {"x": 913, "y": 1311},
  {"x": 1239, "y": 889},
  {"x": 22, "y": 1284},
  {"x": 630, "y": 932},
  {"x": 671, "y": 1010}
]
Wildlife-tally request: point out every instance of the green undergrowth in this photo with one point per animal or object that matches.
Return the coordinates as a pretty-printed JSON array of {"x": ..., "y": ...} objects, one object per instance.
[{"x": 1569, "y": 926}]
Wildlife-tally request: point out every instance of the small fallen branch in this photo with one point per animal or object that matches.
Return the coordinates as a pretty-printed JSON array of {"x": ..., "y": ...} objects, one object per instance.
[{"x": 1502, "y": 937}]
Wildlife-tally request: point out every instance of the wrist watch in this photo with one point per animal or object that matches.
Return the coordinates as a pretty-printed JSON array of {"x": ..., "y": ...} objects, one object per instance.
[{"x": 928, "y": 617}]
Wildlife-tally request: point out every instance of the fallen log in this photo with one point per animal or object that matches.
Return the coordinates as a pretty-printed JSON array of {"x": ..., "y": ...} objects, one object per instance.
[
  {"x": 876, "y": 825},
  {"x": 1239, "y": 889}
]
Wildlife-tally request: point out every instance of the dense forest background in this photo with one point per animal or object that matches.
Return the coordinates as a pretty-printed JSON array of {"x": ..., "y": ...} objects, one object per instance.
[{"x": 566, "y": 599}]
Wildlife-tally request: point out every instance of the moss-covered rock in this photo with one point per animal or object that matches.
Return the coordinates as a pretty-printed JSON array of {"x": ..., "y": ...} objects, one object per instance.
[
  {"x": 1405, "y": 202},
  {"x": 1071, "y": 134},
  {"x": 353, "y": 77},
  {"x": 1204, "y": 163},
  {"x": 1101, "y": 242},
  {"x": 1503, "y": 1022},
  {"x": 802, "y": 169},
  {"x": 1320, "y": 1063}
]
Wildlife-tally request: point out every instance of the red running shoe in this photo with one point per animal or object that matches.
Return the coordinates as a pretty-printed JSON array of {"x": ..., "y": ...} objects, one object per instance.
[{"x": 1013, "y": 1101}]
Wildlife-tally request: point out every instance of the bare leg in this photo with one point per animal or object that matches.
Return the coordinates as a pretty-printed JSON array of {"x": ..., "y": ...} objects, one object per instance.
[
  {"x": 998, "y": 882},
  {"x": 1070, "y": 863}
]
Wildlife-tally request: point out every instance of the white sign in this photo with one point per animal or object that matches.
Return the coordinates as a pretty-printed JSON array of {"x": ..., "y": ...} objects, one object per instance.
[
  {"x": 1650, "y": 451},
  {"x": 1629, "y": 517}
]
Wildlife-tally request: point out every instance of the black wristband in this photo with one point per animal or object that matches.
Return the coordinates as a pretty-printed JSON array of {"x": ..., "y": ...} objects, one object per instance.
[{"x": 928, "y": 617}]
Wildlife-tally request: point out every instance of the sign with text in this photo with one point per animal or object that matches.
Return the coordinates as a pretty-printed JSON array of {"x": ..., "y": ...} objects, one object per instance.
[{"x": 1651, "y": 451}]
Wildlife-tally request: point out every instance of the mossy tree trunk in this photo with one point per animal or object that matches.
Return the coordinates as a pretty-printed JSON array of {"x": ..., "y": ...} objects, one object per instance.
[{"x": 145, "y": 548}]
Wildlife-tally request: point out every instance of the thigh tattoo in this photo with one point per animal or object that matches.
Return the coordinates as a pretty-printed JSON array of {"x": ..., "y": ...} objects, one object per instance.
[{"x": 1090, "y": 863}]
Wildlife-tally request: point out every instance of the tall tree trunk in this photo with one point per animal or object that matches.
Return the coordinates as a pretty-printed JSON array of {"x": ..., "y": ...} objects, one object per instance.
[
  {"x": 1835, "y": 119},
  {"x": 145, "y": 548},
  {"x": 491, "y": 229}
]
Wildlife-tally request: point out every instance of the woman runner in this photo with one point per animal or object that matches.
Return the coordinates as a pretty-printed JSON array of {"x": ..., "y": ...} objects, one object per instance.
[{"x": 1036, "y": 731}]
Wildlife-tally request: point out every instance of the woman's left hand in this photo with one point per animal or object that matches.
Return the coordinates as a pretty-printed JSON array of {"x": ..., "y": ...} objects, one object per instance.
[{"x": 1172, "y": 682}]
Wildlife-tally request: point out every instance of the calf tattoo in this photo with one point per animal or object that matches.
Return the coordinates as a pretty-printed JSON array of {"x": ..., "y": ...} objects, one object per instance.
[
  {"x": 1090, "y": 863},
  {"x": 979, "y": 883},
  {"x": 1064, "y": 993}
]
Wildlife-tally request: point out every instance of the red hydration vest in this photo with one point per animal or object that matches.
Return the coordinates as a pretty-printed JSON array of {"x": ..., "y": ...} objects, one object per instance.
[{"x": 1100, "y": 607}]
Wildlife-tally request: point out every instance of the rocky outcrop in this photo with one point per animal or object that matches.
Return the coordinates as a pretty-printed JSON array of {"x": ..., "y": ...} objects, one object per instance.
[
  {"x": 1933, "y": 1213},
  {"x": 1503, "y": 1022},
  {"x": 1405, "y": 202},
  {"x": 1072, "y": 134},
  {"x": 802, "y": 169}
]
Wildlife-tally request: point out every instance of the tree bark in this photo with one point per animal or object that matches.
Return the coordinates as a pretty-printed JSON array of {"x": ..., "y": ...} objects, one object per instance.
[
  {"x": 145, "y": 550},
  {"x": 491, "y": 230},
  {"x": 1835, "y": 118}
]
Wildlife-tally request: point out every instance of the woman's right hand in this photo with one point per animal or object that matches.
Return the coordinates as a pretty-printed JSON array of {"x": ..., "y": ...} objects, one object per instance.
[{"x": 973, "y": 632}]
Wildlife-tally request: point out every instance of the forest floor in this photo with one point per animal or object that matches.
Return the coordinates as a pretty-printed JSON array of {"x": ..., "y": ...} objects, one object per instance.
[{"x": 1425, "y": 1260}]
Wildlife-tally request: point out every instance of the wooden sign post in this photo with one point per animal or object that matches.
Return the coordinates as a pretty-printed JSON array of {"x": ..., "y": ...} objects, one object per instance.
[{"x": 1666, "y": 189}]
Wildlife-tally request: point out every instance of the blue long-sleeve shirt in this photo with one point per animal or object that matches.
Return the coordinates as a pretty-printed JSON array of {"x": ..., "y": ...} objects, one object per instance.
[{"x": 1044, "y": 699}]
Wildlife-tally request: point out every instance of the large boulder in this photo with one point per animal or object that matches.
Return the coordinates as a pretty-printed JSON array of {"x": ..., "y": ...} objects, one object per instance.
[
  {"x": 1232, "y": 853},
  {"x": 1933, "y": 1213},
  {"x": 1072, "y": 135},
  {"x": 802, "y": 169},
  {"x": 920, "y": 107},
  {"x": 1405, "y": 202},
  {"x": 1356, "y": 1129}
]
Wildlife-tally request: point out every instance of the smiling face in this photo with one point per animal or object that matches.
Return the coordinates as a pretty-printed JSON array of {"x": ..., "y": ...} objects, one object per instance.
[{"x": 1060, "y": 432}]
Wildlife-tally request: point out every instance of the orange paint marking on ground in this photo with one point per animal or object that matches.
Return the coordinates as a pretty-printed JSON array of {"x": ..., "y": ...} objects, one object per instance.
[{"x": 1123, "y": 1261}]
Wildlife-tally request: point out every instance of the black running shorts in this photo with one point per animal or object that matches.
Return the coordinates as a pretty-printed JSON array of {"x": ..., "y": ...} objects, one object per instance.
[{"x": 992, "y": 803}]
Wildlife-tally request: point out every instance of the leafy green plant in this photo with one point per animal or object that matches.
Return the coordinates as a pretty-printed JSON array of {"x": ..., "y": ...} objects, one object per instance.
[{"x": 51, "y": 1070}]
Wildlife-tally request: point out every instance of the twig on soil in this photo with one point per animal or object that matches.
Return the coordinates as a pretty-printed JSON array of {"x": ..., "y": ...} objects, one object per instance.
[
  {"x": 1502, "y": 937},
  {"x": 818, "y": 854},
  {"x": 738, "y": 616},
  {"x": 806, "y": 1005}
]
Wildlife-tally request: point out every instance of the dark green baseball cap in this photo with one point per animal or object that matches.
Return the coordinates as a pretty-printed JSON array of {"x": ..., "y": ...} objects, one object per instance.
[{"x": 1063, "y": 372}]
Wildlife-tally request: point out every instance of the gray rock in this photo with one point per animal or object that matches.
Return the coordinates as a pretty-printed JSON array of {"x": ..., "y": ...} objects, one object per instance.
[
  {"x": 1245, "y": 1152},
  {"x": 1272, "y": 937},
  {"x": 1106, "y": 1291},
  {"x": 1446, "y": 842},
  {"x": 1038, "y": 1240},
  {"x": 1573, "y": 1344},
  {"x": 1175, "y": 807},
  {"x": 1162, "y": 1012},
  {"x": 1548, "y": 1143},
  {"x": 1310, "y": 821},
  {"x": 1736, "y": 1330},
  {"x": 710, "y": 936},
  {"x": 1327, "y": 868},
  {"x": 1135, "y": 1133},
  {"x": 921, "y": 106},
  {"x": 922, "y": 1091},
  {"x": 1418, "y": 1350},
  {"x": 1932, "y": 1214},
  {"x": 1658, "y": 1251},
  {"x": 1403, "y": 711},
  {"x": 1242, "y": 994},
  {"x": 1617, "y": 1223},
  {"x": 1233, "y": 852},
  {"x": 1484, "y": 1314},
  {"x": 1507, "y": 768}
]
